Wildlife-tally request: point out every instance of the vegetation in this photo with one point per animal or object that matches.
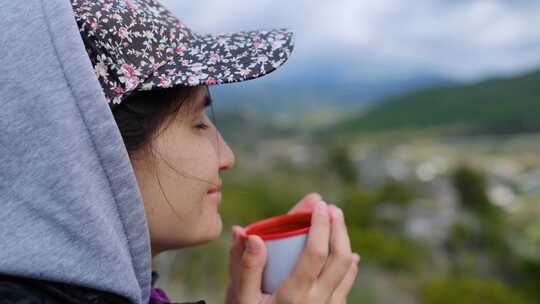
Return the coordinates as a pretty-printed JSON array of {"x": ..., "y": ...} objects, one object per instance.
[{"x": 497, "y": 106}]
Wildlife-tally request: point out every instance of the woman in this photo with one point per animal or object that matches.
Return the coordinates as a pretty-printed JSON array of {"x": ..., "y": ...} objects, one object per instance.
[{"x": 97, "y": 177}]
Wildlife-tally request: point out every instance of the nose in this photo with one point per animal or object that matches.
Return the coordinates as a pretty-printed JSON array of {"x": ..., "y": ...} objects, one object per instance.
[{"x": 226, "y": 155}]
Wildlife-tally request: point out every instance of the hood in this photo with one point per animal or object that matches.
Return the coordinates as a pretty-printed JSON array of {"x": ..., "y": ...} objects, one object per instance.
[{"x": 71, "y": 210}]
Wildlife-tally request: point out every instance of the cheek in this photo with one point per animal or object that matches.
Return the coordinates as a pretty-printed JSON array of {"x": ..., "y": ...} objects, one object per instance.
[
  {"x": 187, "y": 165},
  {"x": 199, "y": 156},
  {"x": 195, "y": 165}
]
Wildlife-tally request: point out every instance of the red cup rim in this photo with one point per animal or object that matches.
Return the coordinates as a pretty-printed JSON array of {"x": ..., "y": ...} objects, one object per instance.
[{"x": 285, "y": 222}]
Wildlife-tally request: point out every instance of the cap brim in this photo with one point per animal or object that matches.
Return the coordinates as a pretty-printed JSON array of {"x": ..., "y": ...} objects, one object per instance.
[{"x": 224, "y": 58}]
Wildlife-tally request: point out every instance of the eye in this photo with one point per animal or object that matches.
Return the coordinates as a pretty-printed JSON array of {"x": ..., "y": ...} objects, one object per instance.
[{"x": 201, "y": 126}]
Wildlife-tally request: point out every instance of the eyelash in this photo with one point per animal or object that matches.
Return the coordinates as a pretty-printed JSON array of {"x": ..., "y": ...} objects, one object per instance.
[{"x": 202, "y": 126}]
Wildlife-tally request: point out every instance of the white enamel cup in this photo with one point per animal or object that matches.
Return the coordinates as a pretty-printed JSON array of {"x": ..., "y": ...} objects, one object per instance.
[{"x": 285, "y": 237}]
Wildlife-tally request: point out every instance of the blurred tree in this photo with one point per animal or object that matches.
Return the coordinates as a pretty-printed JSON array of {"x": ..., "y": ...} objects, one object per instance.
[
  {"x": 396, "y": 192},
  {"x": 388, "y": 251},
  {"x": 471, "y": 188},
  {"x": 340, "y": 161},
  {"x": 358, "y": 206},
  {"x": 467, "y": 291}
]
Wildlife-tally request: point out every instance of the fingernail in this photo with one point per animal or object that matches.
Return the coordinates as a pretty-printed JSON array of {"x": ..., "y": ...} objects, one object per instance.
[
  {"x": 322, "y": 209},
  {"x": 233, "y": 235},
  {"x": 235, "y": 232},
  {"x": 332, "y": 209},
  {"x": 356, "y": 257},
  {"x": 252, "y": 246},
  {"x": 339, "y": 213}
]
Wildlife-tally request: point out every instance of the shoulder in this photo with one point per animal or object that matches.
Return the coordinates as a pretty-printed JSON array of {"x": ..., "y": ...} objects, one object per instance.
[{"x": 14, "y": 290}]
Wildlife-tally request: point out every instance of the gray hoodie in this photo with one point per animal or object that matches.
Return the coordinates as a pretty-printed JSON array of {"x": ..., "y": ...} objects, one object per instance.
[{"x": 71, "y": 210}]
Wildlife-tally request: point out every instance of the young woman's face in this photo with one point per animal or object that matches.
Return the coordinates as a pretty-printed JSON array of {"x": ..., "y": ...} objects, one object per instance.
[{"x": 176, "y": 184}]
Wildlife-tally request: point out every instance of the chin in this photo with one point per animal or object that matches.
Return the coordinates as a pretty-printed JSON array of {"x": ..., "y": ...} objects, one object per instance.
[
  {"x": 212, "y": 233},
  {"x": 203, "y": 237}
]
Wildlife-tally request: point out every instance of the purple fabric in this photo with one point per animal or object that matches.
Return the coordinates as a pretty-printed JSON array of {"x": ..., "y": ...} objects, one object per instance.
[{"x": 158, "y": 295}]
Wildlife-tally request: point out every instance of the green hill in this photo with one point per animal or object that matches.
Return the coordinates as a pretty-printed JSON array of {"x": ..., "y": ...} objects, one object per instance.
[{"x": 496, "y": 106}]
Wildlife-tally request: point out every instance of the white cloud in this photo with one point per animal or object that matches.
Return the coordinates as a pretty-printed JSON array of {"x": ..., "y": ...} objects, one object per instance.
[{"x": 461, "y": 39}]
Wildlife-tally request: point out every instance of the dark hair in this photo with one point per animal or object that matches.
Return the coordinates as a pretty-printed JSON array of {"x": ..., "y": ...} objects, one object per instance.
[{"x": 143, "y": 113}]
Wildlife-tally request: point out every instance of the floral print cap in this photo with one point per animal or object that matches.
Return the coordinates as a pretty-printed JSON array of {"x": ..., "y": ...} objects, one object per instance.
[{"x": 140, "y": 45}]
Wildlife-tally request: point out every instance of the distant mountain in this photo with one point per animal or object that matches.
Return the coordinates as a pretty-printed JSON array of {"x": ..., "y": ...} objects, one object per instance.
[
  {"x": 243, "y": 128},
  {"x": 313, "y": 93},
  {"x": 495, "y": 106}
]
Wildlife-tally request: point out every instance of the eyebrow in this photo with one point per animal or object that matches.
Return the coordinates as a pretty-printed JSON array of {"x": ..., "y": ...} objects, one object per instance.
[{"x": 208, "y": 100}]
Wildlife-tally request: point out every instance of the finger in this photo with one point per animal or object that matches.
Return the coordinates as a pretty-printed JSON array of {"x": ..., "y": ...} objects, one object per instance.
[
  {"x": 316, "y": 252},
  {"x": 238, "y": 244},
  {"x": 341, "y": 256},
  {"x": 340, "y": 294},
  {"x": 235, "y": 260},
  {"x": 252, "y": 266},
  {"x": 235, "y": 254},
  {"x": 307, "y": 203}
]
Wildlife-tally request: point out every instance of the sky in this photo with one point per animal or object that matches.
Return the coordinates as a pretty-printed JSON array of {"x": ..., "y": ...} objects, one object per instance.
[{"x": 380, "y": 39}]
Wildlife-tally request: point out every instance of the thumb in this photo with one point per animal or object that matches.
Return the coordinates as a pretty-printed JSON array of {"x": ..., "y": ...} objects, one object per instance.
[{"x": 253, "y": 262}]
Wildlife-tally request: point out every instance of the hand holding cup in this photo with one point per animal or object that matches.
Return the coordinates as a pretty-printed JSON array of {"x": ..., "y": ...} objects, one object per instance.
[{"x": 320, "y": 267}]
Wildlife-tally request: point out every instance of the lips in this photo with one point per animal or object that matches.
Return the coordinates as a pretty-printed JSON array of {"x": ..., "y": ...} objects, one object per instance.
[{"x": 215, "y": 188}]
